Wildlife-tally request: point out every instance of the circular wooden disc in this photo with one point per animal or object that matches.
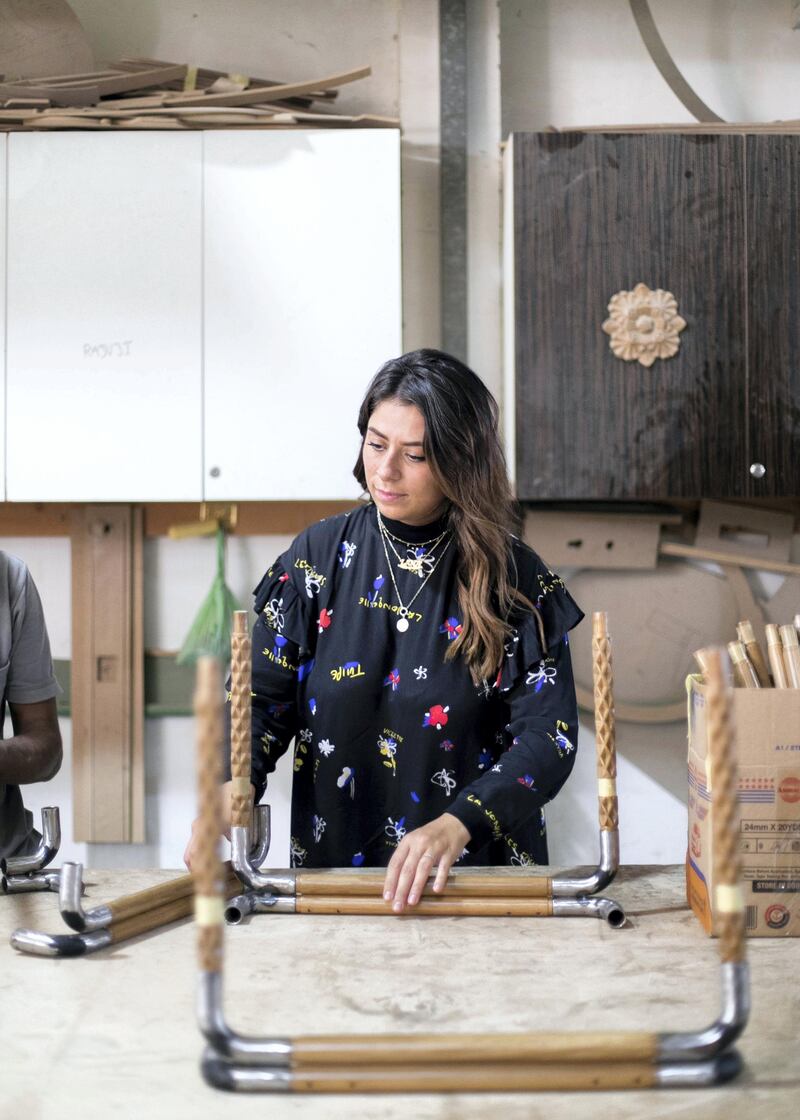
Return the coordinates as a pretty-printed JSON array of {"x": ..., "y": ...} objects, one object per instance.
[
  {"x": 40, "y": 38},
  {"x": 655, "y": 620}
]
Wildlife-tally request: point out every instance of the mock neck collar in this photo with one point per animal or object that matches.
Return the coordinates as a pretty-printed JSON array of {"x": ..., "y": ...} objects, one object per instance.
[{"x": 413, "y": 534}]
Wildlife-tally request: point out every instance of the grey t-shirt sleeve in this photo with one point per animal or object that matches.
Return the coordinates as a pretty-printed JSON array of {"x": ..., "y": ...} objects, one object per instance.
[{"x": 30, "y": 676}]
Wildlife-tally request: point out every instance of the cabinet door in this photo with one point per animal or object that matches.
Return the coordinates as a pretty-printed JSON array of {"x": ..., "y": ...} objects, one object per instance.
[
  {"x": 594, "y": 215},
  {"x": 773, "y": 273},
  {"x": 104, "y": 317},
  {"x": 302, "y": 304}
]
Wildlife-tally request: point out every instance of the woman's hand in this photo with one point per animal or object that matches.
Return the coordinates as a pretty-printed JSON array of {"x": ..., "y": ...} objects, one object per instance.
[
  {"x": 438, "y": 844},
  {"x": 190, "y": 853}
]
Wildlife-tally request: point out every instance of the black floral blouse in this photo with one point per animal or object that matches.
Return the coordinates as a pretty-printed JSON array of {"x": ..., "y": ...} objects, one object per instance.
[{"x": 387, "y": 735}]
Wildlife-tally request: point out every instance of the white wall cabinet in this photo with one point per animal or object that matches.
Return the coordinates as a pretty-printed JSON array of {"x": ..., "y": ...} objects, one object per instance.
[
  {"x": 104, "y": 317},
  {"x": 302, "y": 304},
  {"x": 196, "y": 315}
]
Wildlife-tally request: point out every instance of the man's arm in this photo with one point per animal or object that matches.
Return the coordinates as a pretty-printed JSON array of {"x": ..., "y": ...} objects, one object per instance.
[{"x": 34, "y": 752}]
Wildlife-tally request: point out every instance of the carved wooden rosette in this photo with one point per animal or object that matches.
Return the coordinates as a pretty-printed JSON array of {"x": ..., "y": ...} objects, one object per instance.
[
  {"x": 604, "y": 722},
  {"x": 644, "y": 325},
  {"x": 207, "y": 871},
  {"x": 241, "y": 677},
  {"x": 729, "y": 919}
]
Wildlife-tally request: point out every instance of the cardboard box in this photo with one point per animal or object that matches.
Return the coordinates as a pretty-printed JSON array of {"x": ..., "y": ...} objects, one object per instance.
[{"x": 767, "y": 727}]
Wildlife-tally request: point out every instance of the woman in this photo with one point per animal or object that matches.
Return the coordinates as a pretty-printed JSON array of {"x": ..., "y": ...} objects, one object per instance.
[{"x": 416, "y": 651}]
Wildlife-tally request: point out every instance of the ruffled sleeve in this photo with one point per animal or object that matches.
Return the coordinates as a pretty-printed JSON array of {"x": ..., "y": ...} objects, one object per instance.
[
  {"x": 282, "y": 608},
  {"x": 536, "y": 684}
]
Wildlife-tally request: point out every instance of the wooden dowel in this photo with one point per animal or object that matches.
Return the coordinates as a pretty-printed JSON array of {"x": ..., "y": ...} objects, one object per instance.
[
  {"x": 775, "y": 655},
  {"x": 744, "y": 673},
  {"x": 535, "y": 1047},
  {"x": 604, "y": 723},
  {"x": 241, "y": 675},
  {"x": 728, "y": 905},
  {"x": 755, "y": 654},
  {"x": 443, "y": 907},
  {"x": 459, "y": 885},
  {"x": 791, "y": 654},
  {"x": 495, "y": 1078}
]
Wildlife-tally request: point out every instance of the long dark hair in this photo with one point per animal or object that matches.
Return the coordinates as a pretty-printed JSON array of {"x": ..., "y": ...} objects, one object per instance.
[{"x": 466, "y": 458}]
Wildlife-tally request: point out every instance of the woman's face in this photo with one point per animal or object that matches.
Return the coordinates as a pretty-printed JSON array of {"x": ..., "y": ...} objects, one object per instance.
[{"x": 398, "y": 476}]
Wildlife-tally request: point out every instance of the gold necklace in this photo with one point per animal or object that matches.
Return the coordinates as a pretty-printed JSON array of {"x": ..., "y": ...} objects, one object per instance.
[
  {"x": 404, "y": 611},
  {"x": 420, "y": 565}
]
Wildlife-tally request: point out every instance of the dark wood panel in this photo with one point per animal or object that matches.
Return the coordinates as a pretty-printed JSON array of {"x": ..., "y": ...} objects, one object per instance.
[
  {"x": 772, "y": 178},
  {"x": 596, "y": 214}
]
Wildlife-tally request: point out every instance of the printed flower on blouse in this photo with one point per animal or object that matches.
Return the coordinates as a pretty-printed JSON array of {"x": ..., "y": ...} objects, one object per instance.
[
  {"x": 346, "y": 553},
  {"x": 544, "y": 673},
  {"x": 324, "y": 620},
  {"x": 388, "y": 749},
  {"x": 347, "y": 780},
  {"x": 447, "y": 745},
  {"x": 304, "y": 669},
  {"x": 484, "y": 759},
  {"x": 298, "y": 853},
  {"x": 377, "y": 584},
  {"x": 393, "y": 679},
  {"x": 320, "y": 824},
  {"x": 395, "y": 830},
  {"x": 326, "y": 747},
  {"x": 280, "y": 642},
  {"x": 563, "y": 745},
  {"x": 451, "y": 627},
  {"x": 313, "y": 583},
  {"x": 445, "y": 779},
  {"x": 421, "y": 673},
  {"x": 306, "y": 734},
  {"x": 300, "y": 750},
  {"x": 437, "y": 717},
  {"x": 527, "y": 781},
  {"x": 273, "y": 614}
]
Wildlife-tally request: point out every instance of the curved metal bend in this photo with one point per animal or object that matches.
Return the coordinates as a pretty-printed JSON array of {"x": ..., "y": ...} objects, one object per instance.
[
  {"x": 600, "y": 877},
  {"x": 39, "y": 944},
  {"x": 21, "y": 884},
  {"x": 277, "y": 882},
  {"x": 69, "y": 902},
  {"x": 605, "y": 908},
  {"x": 46, "y": 850},
  {"x": 225, "y": 1042},
  {"x": 695, "y": 1045}
]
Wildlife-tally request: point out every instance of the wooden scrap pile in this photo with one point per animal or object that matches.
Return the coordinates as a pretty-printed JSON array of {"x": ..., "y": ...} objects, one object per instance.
[{"x": 144, "y": 93}]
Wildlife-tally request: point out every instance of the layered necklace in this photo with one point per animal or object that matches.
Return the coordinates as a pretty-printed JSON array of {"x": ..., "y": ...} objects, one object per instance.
[{"x": 418, "y": 559}]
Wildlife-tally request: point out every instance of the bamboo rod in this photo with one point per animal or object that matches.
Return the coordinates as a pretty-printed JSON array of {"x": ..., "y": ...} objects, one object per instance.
[
  {"x": 605, "y": 729},
  {"x": 442, "y": 907},
  {"x": 241, "y": 678},
  {"x": 151, "y": 919},
  {"x": 460, "y": 884},
  {"x": 488, "y": 1078},
  {"x": 791, "y": 654},
  {"x": 539, "y": 1047},
  {"x": 129, "y": 906},
  {"x": 728, "y": 903},
  {"x": 744, "y": 673},
  {"x": 207, "y": 873}
]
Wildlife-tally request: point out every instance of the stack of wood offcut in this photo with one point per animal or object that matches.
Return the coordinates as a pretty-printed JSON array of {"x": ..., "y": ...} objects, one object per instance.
[{"x": 145, "y": 93}]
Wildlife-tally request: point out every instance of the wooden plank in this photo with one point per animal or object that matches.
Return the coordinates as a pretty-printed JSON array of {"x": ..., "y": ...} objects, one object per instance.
[
  {"x": 254, "y": 96},
  {"x": 759, "y": 563},
  {"x": 107, "y": 674}
]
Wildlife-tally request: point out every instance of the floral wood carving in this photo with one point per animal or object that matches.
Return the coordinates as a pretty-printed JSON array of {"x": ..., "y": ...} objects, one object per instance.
[{"x": 644, "y": 325}]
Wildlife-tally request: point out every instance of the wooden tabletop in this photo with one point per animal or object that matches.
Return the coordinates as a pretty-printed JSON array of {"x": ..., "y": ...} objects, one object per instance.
[{"x": 114, "y": 1033}]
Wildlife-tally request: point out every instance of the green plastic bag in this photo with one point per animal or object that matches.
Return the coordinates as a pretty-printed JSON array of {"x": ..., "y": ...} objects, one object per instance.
[{"x": 210, "y": 633}]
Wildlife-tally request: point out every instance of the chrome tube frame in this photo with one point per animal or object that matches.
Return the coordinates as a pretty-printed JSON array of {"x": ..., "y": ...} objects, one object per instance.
[
  {"x": 698, "y": 1045},
  {"x": 255, "y": 902},
  {"x": 564, "y": 887},
  {"x": 597, "y": 907},
  {"x": 39, "y": 944},
  {"x": 45, "y": 852},
  {"x": 22, "y": 884}
]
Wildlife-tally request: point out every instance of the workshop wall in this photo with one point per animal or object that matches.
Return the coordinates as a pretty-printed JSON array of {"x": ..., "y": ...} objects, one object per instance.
[{"x": 563, "y": 62}]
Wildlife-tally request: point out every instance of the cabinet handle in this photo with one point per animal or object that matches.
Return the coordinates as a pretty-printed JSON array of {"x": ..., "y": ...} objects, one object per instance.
[
  {"x": 215, "y": 472},
  {"x": 758, "y": 470}
]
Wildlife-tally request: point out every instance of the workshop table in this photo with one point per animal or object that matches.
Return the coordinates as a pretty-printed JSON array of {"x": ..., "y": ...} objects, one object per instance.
[{"x": 114, "y": 1033}]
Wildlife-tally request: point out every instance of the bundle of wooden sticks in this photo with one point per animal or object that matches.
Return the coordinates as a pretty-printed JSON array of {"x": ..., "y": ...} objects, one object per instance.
[{"x": 781, "y": 667}]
